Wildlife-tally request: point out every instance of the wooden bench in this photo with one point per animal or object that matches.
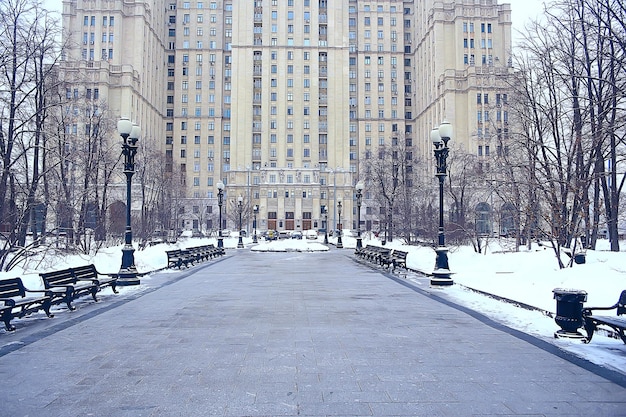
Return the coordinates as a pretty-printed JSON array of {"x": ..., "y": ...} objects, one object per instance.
[
  {"x": 617, "y": 323},
  {"x": 90, "y": 273},
  {"x": 20, "y": 301},
  {"x": 375, "y": 254},
  {"x": 179, "y": 257},
  {"x": 398, "y": 258},
  {"x": 371, "y": 252},
  {"x": 381, "y": 256},
  {"x": 176, "y": 258},
  {"x": 67, "y": 287},
  {"x": 362, "y": 252},
  {"x": 215, "y": 251}
]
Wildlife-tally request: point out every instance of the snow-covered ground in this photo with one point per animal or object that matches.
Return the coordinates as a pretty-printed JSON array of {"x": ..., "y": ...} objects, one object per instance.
[{"x": 528, "y": 276}]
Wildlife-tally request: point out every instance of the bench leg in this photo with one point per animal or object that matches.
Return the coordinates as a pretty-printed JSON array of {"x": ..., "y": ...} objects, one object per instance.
[
  {"x": 46, "y": 307},
  {"x": 114, "y": 287},
  {"x": 6, "y": 318},
  {"x": 69, "y": 297},
  {"x": 590, "y": 327},
  {"x": 94, "y": 291}
]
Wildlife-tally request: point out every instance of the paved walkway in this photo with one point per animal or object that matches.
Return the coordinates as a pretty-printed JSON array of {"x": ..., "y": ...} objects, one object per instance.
[{"x": 286, "y": 334}]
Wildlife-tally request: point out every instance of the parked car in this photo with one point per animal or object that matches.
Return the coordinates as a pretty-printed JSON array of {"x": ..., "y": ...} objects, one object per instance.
[
  {"x": 283, "y": 234},
  {"x": 270, "y": 235},
  {"x": 311, "y": 234},
  {"x": 225, "y": 233},
  {"x": 296, "y": 235}
]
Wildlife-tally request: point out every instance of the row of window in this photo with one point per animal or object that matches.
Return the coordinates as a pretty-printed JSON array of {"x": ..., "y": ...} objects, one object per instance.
[
  {"x": 88, "y": 111},
  {"x": 483, "y": 98},
  {"x": 486, "y": 134},
  {"x": 169, "y": 126},
  {"x": 483, "y": 116},
  {"x": 484, "y": 43},
  {"x": 228, "y": 20},
  {"x": 74, "y": 94},
  {"x": 106, "y": 21},
  {"x": 91, "y": 37},
  {"x": 468, "y": 27},
  {"x": 105, "y": 54},
  {"x": 306, "y": 153},
  {"x": 199, "y": 5},
  {"x": 501, "y": 150},
  {"x": 228, "y": 32},
  {"x": 470, "y": 59}
]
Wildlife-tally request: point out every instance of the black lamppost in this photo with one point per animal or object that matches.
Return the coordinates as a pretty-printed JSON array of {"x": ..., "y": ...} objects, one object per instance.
[
  {"x": 326, "y": 228},
  {"x": 339, "y": 227},
  {"x": 440, "y": 137},
  {"x": 240, "y": 207},
  {"x": 130, "y": 134},
  {"x": 220, "y": 201},
  {"x": 256, "y": 211},
  {"x": 359, "y": 194}
]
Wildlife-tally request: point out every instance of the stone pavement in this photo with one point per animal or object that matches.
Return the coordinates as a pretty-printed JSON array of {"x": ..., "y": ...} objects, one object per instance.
[{"x": 286, "y": 334}]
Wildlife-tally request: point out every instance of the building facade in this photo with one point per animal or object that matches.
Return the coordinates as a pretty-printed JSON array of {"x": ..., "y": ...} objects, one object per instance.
[{"x": 280, "y": 99}]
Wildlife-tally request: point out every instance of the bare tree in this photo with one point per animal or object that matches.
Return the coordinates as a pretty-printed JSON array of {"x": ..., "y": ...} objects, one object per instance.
[
  {"x": 154, "y": 183},
  {"x": 389, "y": 174},
  {"x": 569, "y": 94},
  {"x": 28, "y": 52}
]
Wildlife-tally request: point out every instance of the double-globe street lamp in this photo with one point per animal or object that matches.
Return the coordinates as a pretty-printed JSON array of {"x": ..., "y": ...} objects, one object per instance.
[
  {"x": 359, "y": 195},
  {"x": 240, "y": 207},
  {"x": 440, "y": 137},
  {"x": 339, "y": 227},
  {"x": 220, "y": 201},
  {"x": 326, "y": 225},
  {"x": 130, "y": 134},
  {"x": 255, "y": 210}
]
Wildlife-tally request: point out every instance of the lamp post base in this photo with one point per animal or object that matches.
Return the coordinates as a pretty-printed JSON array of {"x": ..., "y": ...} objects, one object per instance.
[
  {"x": 440, "y": 279},
  {"x": 562, "y": 334},
  {"x": 220, "y": 242},
  {"x": 128, "y": 273},
  {"x": 359, "y": 243},
  {"x": 127, "y": 277},
  {"x": 441, "y": 275},
  {"x": 240, "y": 243},
  {"x": 339, "y": 242}
]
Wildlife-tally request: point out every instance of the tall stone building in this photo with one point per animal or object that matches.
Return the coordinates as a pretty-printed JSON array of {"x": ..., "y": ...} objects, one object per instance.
[{"x": 280, "y": 99}]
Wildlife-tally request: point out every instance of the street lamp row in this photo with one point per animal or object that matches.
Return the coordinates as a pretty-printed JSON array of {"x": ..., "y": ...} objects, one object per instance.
[
  {"x": 440, "y": 137},
  {"x": 130, "y": 133}
]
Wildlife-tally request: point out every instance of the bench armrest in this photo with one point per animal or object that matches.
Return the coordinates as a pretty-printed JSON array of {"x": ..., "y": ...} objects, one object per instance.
[
  {"x": 8, "y": 302},
  {"x": 57, "y": 287},
  {"x": 587, "y": 310},
  {"x": 41, "y": 291}
]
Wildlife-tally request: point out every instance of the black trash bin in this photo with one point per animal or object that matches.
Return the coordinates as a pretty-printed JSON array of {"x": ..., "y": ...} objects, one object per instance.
[
  {"x": 569, "y": 312},
  {"x": 580, "y": 258}
]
